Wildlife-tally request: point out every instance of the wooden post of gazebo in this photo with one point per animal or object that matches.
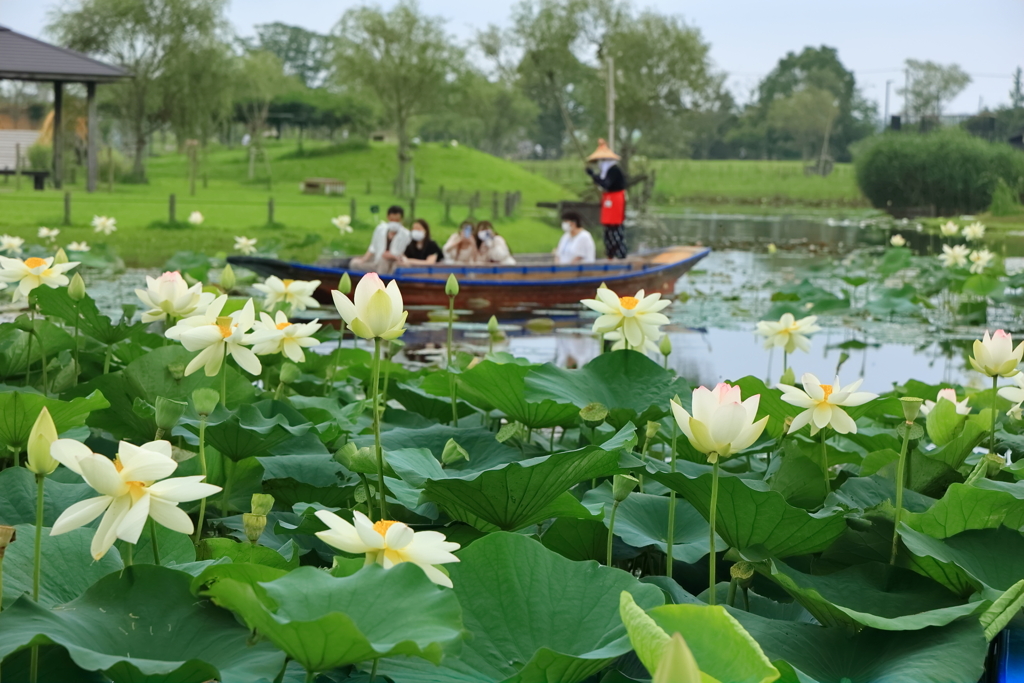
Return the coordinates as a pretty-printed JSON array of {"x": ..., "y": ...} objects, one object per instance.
[
  {"x": 58, "y": 134},
  {"x": 92, "y": 151}
]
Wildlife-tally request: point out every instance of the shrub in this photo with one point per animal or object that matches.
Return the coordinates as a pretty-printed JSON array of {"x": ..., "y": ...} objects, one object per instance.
[
  {"x": 1005, "y": 200},
  {"x": 948, "y": 169},
  {"x": 122, "y": 166},
  {"x": 40, "y": 157}
]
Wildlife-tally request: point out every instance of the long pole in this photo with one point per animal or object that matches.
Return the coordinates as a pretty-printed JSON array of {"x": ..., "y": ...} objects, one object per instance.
[
  {"x": 885, "y": 118},
  {"x": 611, "y": 101}
]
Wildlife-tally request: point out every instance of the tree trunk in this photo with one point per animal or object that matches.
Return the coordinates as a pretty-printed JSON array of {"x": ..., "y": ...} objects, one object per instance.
[
  {"x": 404, "y": 157},
  {"x": 138, "y": 167}
]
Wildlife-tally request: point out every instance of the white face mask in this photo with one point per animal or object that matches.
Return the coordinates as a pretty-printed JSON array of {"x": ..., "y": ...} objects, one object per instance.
[
  {"x": 486, "y": 235},
  {"x": 417, "y": 235},
  {"x": 566, "y": 226}
]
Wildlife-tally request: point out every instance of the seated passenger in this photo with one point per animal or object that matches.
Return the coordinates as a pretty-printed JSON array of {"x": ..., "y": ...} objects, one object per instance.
[
  {"x": 421, "y": 250},
  {"x": 387, "y": 245},
  {"x": 461, "y": 247},
  {"x": 576, "y": 244},
  {"x": 491, "y": 247}
]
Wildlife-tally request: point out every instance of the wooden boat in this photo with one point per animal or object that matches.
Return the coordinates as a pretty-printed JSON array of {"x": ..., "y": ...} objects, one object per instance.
[{"x": 534, "y": 282}]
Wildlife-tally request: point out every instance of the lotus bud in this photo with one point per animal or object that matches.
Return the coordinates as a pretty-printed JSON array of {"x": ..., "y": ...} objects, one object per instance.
[
  {"x": 168, "y": 412},
  {"x": 345, "y": 284},
  {"x": 622, "y": 486},
  {"x": 24, "y": 323},
  {"x": 593, "y": 414},
  {"x": 652, "y": 430},
  {"x": 76, "y": 289},
  {"x": 453, "y": 453},
  {"x": 205, "y": 400},
  {"x": 665, "y": 345},
  {"x": 451, "y": 288},
  {"x": 492, "y": 326},
  {"x": 290, "y": 373},
  {"x": 772, "y": 248},
  {"x": 911, "y": 407},
  {"x": 253, "y": 525},
  {"x": 227, "y": 278},
  {"x": 60, "y": 257},
  {"x": 262, "y": 503},
  {"x": 43, "y": 434}
]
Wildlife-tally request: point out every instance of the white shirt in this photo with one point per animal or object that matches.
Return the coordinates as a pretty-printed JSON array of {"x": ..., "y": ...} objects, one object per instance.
[
  {"x": 580, "y": 245},
  {"x": 379, "y": 241}
]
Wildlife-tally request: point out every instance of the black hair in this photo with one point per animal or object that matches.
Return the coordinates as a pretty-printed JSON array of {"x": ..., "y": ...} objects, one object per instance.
[
  {"x": 573, "y": 217},
  {"x": 426, "y": 228},
  {"x": 396, "y": 209}
]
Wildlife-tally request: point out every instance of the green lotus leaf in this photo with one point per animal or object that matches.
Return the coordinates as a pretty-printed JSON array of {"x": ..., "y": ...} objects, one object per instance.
[
  {"x": 57, "y": 302},
  {"x": 251, "y": 430},
  {"x": 502, "y": 386},
  {"x": 985, "y": 557},
  {"x": 432, "y": 407},
  {"x": 324, "y": 622},
  {"x": 242, "y": 552},
  {"x": 577, "y": 539},
  {"x": 532, "y": 615},
  {"x": 18, "y": 497},
  {"x": 770, "y": 404},
  {"x": 143, "y": 623},
  {"x": 19, "y": 410},
  {"x": 484, "y": 451}
]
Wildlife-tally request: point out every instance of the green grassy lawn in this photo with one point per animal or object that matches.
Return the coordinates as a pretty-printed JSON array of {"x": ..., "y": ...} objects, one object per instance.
[{"x": 234, "y": 205}]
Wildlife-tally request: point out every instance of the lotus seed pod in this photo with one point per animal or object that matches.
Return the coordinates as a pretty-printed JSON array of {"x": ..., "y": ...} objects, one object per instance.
[
  {"x": 205, "y": 400},
  {"x": 652, "y": 430},
  {"x": 622, "y": 486},
  {"x": 262, "y": 503},
  {"x": 168, "y": 412},
  {"x": 593, "y": 414},
  {"x": 290, "y": 373},
  {"x": 253, "y": 525},
  {"x": 911, "y": 407}
]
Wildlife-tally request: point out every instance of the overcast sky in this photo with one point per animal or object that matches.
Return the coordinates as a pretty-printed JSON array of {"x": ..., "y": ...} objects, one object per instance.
[{"x": 874, "y": 37}]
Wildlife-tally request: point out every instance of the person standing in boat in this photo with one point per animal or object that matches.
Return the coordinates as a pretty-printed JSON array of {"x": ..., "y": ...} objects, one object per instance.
[
  {"x": 422, "y": 251},
  {"x": 576, "y": 244},
  {"x": 612, "y": 181},
  {"x": 491, "y": 248},
  {"x": 387, "y": 246}
]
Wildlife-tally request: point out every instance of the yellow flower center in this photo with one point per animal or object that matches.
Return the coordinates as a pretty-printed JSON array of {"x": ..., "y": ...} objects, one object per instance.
[
  {"x": 283, "y": 325},
  {"x": 224, "y": 323},
  {"x": 287, "y": 283},
  {"x": 628, "y": 302},
  {"x": 383, "y": 525},
  {"x": 135, "y": 488},
  {"x": 827, "y": 388},
  {"x": 35, "y": 262}
]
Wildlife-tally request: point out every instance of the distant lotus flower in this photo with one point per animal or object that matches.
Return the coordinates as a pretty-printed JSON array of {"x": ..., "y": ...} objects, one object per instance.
[
  {"x": 279, "y": 335},
  {"x": 296, "y": 293},
  {"x": 215, "y": 336},
  {"x": 788, "y": 332},
  {"x": 343, "y": 224},
  {"x": 375, "y": 310},
  {"x": 949, "y": 229},
  {"x": 34, "y": 272},
  {"x": 196, "y": 218},
  {"x": 48, "y": 233},
  {"x": 995, "y": 356},
  {"x": 824, "y": 404},
  {"x": 955, "y": 256},
  {"x": 974, "y": 232},
  {"x": 79, "y": 246},
  {"x": 105, "y": 224},
  {"x": 980, "y": 260},
  {"x": 170, "y": 295},
  {"x": 950, "y": 395},
  {"x": 1013, "y": 394},
  {"x": 246, "y": 245},
  {"x": 898, "y": 241},
  {"x": 638, "y": 317},
  {"x": 11, "y": 244},
  {"x": 722, "y": 423}
]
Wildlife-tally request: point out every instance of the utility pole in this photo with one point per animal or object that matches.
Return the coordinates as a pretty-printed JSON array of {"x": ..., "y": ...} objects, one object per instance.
[
  {"x": 885, "y": 119},
  {"x": 611, "y": 101}
]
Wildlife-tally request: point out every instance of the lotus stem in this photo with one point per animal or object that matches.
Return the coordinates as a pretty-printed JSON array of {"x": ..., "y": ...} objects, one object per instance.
[
  {"x": 106, "y": 359},
  {"x": 900, "y": 477},
  {"x": 37, "y": 568},
  {"x": 152, "y": 541},
  {"x": 785, "y": 361},
  {"x": 336, "y": 360},
  {"x": 131, "y": 555},
  {"x": 42, "y": 356},
  {"x": 995, "y": 398},
  {"x": 310, "y": 676},
  {"x": 226, "y": 494},
  {"x": 382, "y": 506},
  {"x": 824, "y": 464},
  {"x": 712, "y": 514},
  {"x": 373, "y": 671},
  {"x": 224, "y": 378},
  {"x": 202, "y": 468},
  {"x": 731, "y": 600},
  {"x": 451, "y": 377},
  {"x": 611, "y": 534},
  {"x": 369, "y": 496},
  {"x": 671, "y": 536}
]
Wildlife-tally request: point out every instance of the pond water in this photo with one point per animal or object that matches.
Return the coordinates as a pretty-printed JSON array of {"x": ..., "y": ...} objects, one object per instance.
[{"x": 712, "y": 332}]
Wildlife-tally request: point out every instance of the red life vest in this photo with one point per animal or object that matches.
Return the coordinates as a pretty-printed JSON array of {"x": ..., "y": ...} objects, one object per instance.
[{"x": 613, "y": 208}]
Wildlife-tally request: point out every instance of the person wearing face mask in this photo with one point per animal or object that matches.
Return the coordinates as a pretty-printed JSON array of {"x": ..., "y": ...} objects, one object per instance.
[
  {"x": 461, "y": 247},
  {"x": 421, "y": 250},
  {"x": 609, "y": 177},
  {"x": 492, "y": 247},
  {"x": 387, "y": 246},
  {"x": 576, "y": 244}
]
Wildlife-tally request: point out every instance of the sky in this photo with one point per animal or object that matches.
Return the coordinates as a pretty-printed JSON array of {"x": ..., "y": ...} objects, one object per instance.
[{"x": 747, "y": 37}]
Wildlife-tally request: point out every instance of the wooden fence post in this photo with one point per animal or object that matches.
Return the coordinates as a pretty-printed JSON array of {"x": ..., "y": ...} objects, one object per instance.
[
  {"x": 270, "y": 211},
  {"x": 448, "y": 211},
  {"x": 110, "y": 168},
  {"x": 494, "y": 206},
  {"x": 170, "y": 209},
  {"x": 412, "y": 209},
  {"x": 352, "y": 211},
  {"x": 67, "y": 208},
  {"x": 17, "y": 166}
]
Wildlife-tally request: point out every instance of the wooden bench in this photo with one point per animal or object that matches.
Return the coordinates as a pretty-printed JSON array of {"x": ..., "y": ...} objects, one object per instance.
[
  {"x": 38, "y": 177},
  {"x": 323, "y": 186}
]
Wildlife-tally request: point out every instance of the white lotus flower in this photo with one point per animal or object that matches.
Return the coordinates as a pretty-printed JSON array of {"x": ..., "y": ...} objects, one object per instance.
[
  {"x": 974, "y": 232},
  {"x": 788, "y": 332},
  {"x": 898, "y": 241},
  {"x": 170, "y": 295},
  {"x": 34, "y": 272},
  {"x": 296, "y": 293},
  {"x": 824, "y": 404},
  {"x": 343, "y": 224},
  {"x": 639, "y": 317},
  {"x": 389, "y": 543},
  {"x": 955, "y": 256},
  {"x": 245, "y": 245},
  {"x": 949, "y": 229},
  {"x": 79, "y": 246},
  {"x": 196, "y": 218},
  {"x": 214, "y": 335},
  {"x": 995, "y": 355},
  {"x": 980, "y": 260},
  {"x": 130, "y": 491},
  {"x": 105, "y": 224},
  {"x": 11, "y": 244},
  {"x": 722, "y": 423},
  {"x": 948, "y": 394},
  {"x": 375, "y": 311},
  {"x": 1013, "y": 394},
  {"x": 48, "y": 233},
  {"x": 278, "y": 335}
]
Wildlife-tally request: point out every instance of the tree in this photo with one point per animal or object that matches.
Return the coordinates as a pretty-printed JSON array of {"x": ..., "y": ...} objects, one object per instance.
[
  {"x": 931, "y": 86},
  {"x": 404, "y": 59},
  {"x": 1017, "y": 92},
  {"x": 259, "y": 78},
  {"x": 302, "y": 53},
  {"x": 147, "y": 38},
  {"x": 195, "y": 95},
  {"x": 807, "y": 116}
]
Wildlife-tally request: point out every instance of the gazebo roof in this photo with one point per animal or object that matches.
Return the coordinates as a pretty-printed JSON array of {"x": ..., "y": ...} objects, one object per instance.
[{"x": 24, "y": 58}]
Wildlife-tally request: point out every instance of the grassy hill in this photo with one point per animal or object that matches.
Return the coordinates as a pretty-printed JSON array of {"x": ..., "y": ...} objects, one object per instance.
[{"x": 234, "y": 205}]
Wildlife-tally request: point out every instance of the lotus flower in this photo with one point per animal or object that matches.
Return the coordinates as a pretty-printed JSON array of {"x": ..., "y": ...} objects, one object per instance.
[
  {"x": 48, "y": 233},
  {"x": 296, "y": 293},
  {"x": 788, "y": 332},
  {"x": 950, "y": 395},
  {"x": 246, "y": 245},
  {"x": 79, "y": 246},
  {"x": 11, "y": 244},
  {"x": 375, "y": 311},
  {"x": 214, "y": 335},
  {"x": 1013, "y": 394},
  {"x": 974, "y": 232},
  {"x": 955, "y": 256},
  {"x": 389, "y": 543},
  {"x": 639, "y": 317},
  {"x": 980, "y": 260},
  {"x": 824, "y": 404},
  {"x": 995, "y": 356},
  {"x": 170, "y": 295},
  {"x": 278, "y": 335},
  {"x": 130, "y": 491},
  {"x": 343, "y": 224},
  {"x": 105, "y": 224},
  {"x": 722, "y": 423},
  {"x": 898, "y": 241},
  {"x": 196, "y": 218},
  {"x": 34, "y": 272},
  {"x": 949, "y": 229}
]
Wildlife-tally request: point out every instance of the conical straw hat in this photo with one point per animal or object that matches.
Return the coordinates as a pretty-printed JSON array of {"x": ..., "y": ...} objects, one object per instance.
[{"x": 602, "y": 152}]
